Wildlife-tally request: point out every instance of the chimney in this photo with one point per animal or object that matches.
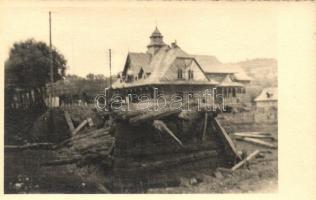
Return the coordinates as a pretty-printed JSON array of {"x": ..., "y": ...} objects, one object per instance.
[{"x": 174, "y": 44}]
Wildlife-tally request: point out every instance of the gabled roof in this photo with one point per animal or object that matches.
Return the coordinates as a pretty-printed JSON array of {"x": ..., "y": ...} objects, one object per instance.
[
  {"x": 268, "y": 94},
  {"x": 211, "y": 65},
  {"x": 160, "y": 64},
  {"x": 137, "y": 61},
  {"x": 228, "y": 82},
  {"x": 219, "y": 68},
  {"x": 162, "y": 61},
  {"x": 208, "y": 63}
]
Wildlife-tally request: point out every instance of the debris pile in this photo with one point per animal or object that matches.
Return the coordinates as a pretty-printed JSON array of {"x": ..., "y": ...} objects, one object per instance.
[{"x": 141, "y": 149}]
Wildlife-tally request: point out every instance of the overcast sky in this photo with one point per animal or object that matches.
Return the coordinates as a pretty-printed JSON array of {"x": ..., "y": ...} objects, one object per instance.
[{"x": 84, "y": 31}]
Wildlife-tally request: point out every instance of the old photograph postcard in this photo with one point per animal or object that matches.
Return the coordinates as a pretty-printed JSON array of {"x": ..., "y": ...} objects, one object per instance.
[{"x": 147, "y": 97}]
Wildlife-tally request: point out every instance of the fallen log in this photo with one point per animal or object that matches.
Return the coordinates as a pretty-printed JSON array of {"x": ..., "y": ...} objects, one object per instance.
[
  {"x": 255, "y": 136},
  {"x": 76, "y": 160},
  {"x": 160, "y": 125},
  {"x": 80, "y": 127},
  {"x": 90, "y": 133},
  {"x": 259, "y": 142},
  {"x": 164, "y": 164},
  {"x": 227, "y": 141},
  {"x": 241, "y": 163},
  {"x": 34, "y": 146},
  {"x": 253, "y": 133},
  {"x": 93, "y": 145},
  {"x": 259, "y": 160},
  {"x": 83, "y": 147},
  {"x": 79, "y": 137},
  {"x": 161, "y": 149},
  {"x": 61, "y": 162}
]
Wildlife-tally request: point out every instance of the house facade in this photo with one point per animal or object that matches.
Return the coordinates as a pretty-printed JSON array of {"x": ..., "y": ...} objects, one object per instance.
[{"x": 171, "y": 71}]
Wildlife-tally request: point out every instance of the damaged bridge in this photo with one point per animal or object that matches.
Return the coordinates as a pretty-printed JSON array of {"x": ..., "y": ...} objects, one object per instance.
[{"x": 138, "y": 150}]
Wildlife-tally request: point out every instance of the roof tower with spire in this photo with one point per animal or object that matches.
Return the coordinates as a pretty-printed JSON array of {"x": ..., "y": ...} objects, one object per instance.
[{"x": 156, "y": 42}]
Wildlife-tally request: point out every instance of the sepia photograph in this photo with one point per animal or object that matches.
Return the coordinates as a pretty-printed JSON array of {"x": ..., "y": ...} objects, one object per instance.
[{"x": 145, "y": 97}]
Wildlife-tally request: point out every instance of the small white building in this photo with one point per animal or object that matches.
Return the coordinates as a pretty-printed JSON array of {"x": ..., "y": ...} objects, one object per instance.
[
  {"x": 267, "y": 105},
  {"x": 267, "y": 99}
]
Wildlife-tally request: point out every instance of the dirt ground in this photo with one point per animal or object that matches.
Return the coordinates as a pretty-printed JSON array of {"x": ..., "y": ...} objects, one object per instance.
[
  {"x": 262, "y": 177},
  {"x": 23, "y": 173}
]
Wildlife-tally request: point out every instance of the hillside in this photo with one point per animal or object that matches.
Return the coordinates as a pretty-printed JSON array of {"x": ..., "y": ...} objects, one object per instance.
[{"x": 263, "y": 71}]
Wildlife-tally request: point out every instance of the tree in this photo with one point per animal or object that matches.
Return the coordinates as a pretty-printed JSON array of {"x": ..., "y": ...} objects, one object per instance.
[
  {"x": 100, "y": 77},
  {"x": 28, "y": 67},
  {"x": 90, "y": 76}
]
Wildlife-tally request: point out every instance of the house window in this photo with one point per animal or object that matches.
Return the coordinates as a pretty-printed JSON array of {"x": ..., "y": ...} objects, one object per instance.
[
  {"x": 130, "y": 78},
  {"x": 140, "y": 74},
  {"x": 190, "y": 73},
  {"x": 180, "y": 73}
]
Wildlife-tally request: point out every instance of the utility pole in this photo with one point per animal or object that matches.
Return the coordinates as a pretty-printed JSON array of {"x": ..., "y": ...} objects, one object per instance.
[
  {"x": 110, "y": 69},
  {"x": 51, "y": 95},
  {"x": 110, "y": 90},
  {"x": 52, "y": 127}
]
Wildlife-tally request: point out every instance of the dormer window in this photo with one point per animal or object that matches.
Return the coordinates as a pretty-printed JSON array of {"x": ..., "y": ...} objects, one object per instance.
[
  {"x": 140, "y": 74},
  {"x": 190, "y": 74},
  {"x": 180, "y": 74}
]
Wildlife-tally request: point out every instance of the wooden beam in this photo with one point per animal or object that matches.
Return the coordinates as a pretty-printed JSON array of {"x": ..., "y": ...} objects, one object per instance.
[
  {"x": 254, "y": 136},
  {"x": 226, "y": 139},
  {"x": 254, "y": 133},
  {"x": 69, "y": 122},
  {"x": 34, "y": 146},
  {"x": 78, "y": 137},
  {"x": 241, "y": 163},
  {"x": 251, "y": 135},
  {"x": 160, "y": 125},
  {"x": 90, "y": 122},
  {"x": 83, "y": 123},
  {"x": 205, "y": 126},
  {"x": 259, "y": 142}
]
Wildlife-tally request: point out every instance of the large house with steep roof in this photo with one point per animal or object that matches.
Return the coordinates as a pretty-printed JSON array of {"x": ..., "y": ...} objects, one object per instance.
[{"x": 173, "y": 71}]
